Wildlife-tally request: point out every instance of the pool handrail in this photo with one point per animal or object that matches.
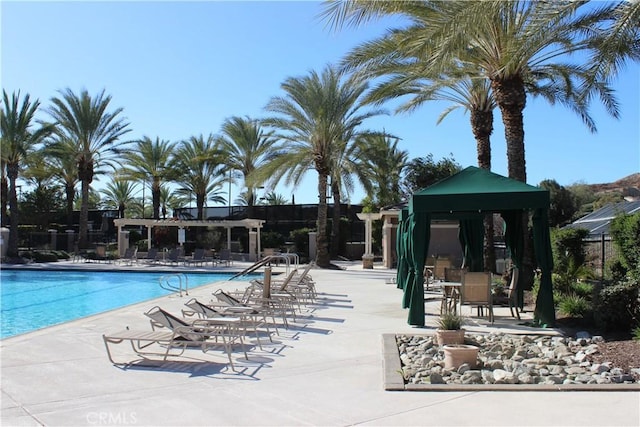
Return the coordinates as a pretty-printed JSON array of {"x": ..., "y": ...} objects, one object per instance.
[{"x": 165, "y": 283}]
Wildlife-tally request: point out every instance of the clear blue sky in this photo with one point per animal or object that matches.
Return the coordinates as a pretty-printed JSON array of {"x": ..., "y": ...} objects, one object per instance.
[{"x": 180, "y": 68}]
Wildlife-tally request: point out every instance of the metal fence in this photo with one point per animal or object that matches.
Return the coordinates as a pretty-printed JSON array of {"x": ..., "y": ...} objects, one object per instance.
[{"x": 599, "y": 253}]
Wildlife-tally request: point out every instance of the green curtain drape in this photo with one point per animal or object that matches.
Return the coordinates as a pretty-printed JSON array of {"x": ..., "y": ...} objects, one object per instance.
[
  {"x": 419, "y": 226},
  {"x": 401, "y": 250},
  {"x": 514, "y": 239},
  {"x": 471, "y": 236},
  {"x": 544, "y": 313}
]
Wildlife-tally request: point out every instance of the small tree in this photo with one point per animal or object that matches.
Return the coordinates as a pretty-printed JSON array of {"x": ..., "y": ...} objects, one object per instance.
[{"x": 625, "y": 232}]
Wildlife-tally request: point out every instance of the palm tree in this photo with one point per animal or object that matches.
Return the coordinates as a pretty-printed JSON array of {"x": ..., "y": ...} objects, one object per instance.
[
  {"x": 516, "y": 45},
  {"x": 118, "y": 193},
  {"x": 619, "y": 42},
  {"x": 18, "y": 140},
  {"x": 199, "y": 167},
  {"x": 380, "y": 164},
  {"x": 247, "y": 146},
  {"x": 96, "y": 133},
  {"x": 317, "y": 119},
  {"x": 60, "y": 153},
  {"x": 149, "y": 161},
  {"x": 170, "y": 200},
  {"x": 274, "y": 199}
]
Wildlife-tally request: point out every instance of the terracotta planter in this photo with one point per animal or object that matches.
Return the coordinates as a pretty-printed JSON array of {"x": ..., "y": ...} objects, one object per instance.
[
  {"x": 456, "y": 355},
  {"x": 450, "y": 336}
]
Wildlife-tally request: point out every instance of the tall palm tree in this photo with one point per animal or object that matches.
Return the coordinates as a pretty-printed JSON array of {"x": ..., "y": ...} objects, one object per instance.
[
  {"x": 118, "y": 193},
  {"x": 149, "y": 161},
  {"x": 380, "y": 164},
  {"x": 18, "y": 140},
  {"x": 317, "y": 119},
  {"x": 60, "y": 154},
  {"x": 199, "y": 169},
  {"x": 96, "y": 132},
  {"x": 247, "y": 145},
  {"x": 514, "y": 44}
]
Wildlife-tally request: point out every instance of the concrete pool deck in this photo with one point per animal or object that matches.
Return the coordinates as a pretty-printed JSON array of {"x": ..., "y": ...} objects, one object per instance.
[{"x": 327, "y": 369}]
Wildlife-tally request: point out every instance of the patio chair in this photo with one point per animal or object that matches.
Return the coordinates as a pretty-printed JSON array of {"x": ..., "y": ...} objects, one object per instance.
[
  {"x": 200, "y": 330},
  {"x": 247, "y": 320},
  {"x": 476, "y": 291},
  {"x": 175, "y": 256},
  {"x": 130, "y": 256},
  {"x": 232, "y": 304},
  {"x": 225, "y": 257},
  {"x": 441, "y": 263},
  {"x": 197, "y": 258},
  {"x": 152, "y": 256}
]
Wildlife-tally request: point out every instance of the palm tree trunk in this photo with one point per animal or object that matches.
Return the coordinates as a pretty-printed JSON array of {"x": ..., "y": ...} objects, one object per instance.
[
  {"x": 12, "y": 248},
  {"x": 83, "y": 233},
  {"x": 322, "y": 254},
  {"x": 70, "y": 193},
  {"x": 200, "y": 205},
  {"x": 335, "y": 223},
  {"x": 511, "y": 98},
  {"x": 4, "y": 198},
  {"x": 155, "y": 197},
  {"x": 482, "y": 127}
]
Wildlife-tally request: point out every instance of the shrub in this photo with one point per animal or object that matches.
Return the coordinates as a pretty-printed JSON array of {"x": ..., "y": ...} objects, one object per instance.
[
  {"x": 583, "y": 289},
  {"x": 574, "y": 305},
  {"x": 450, "y": 321},
  {"x": 271, "y": 239},
  {"x": 617, "y": 306},
  {"x": 636, "y": 333},
  {"x": 625, "y": 232},
  {"x": 568, "y": 248},
  {"x": 300, "y": 238}
]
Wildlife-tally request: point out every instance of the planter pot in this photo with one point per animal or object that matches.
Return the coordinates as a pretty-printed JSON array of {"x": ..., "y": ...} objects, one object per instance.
[
  {"x": 450, "y": 336},
  {"x": 456, "y": 355}
]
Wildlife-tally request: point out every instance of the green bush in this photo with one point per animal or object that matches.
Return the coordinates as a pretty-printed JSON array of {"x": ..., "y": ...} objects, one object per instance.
[
  {"x": 568, "y": 248},
  {"x": 636, "y": 333},
  {"x": 300, "y": 238},
  {"x": 574, "y": 305},
  {"x": 271, "y": 239},
  {"x": 583, "y": 289},
  {"x": 625, "y": 232},
  {"x": 617, "y": 306}
]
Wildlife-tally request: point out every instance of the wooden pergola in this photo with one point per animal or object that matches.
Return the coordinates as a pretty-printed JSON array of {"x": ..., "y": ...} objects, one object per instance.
[{"x": 252, "y": 225}]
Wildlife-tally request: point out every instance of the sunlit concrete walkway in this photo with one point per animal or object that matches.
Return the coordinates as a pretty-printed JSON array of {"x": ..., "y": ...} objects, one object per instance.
[{"x": 327, "y": 369}]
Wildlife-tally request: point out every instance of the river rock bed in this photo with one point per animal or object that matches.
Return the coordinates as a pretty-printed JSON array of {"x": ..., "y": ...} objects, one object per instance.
[{"x": 511, "y": 359}]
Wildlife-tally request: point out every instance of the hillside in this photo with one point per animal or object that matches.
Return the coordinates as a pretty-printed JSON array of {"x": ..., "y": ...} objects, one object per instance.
[{"x": 628, "y": 186}]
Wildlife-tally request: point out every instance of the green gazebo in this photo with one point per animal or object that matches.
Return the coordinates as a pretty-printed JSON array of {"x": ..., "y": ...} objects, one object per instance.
[{"x": 467, "y": 196}]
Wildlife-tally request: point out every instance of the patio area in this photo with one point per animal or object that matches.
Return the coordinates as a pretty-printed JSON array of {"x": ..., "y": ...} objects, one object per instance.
[{"x": 328, "y": 368}]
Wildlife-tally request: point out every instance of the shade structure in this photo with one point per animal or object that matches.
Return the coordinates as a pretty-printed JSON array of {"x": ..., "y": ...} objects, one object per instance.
[{"x": 466, "y": 197}]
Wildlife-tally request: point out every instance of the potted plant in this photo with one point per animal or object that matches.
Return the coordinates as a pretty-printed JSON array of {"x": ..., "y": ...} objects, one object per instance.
[
  {"x": 456, "y": 355},
  {"x": 450, "y": 329}
]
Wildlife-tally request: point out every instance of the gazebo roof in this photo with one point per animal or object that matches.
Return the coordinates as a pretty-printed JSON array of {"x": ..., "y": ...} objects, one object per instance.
[{"x": 474, "y": 189}]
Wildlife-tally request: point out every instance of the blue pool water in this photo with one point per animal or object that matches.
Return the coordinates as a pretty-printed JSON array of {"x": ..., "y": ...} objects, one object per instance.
[{"x": 35, "y": 299}]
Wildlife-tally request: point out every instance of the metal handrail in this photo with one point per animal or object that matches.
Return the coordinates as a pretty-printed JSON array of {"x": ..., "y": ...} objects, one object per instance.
[{"x": 166, "y": 283}]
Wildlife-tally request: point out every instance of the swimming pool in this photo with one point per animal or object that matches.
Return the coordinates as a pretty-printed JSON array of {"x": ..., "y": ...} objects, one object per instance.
[{"x": 33, "y": 300}]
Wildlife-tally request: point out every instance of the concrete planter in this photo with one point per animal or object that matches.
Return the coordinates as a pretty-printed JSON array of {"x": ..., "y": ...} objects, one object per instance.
[{"x": 456, "y": 355}]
